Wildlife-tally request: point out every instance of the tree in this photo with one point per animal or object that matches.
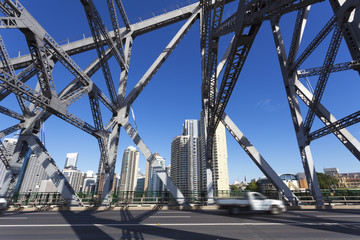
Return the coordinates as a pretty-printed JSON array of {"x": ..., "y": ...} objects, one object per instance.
[
  {"x": 327, "y": 181},
  {"x": 253, "y": 186}
]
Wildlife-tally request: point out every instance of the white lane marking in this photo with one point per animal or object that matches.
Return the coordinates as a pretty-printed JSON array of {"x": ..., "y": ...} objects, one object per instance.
[
  {"x": 15, "y": 218},
  {"x": 40, "y": 213},
  {"x": 177, "y": 224},
  {"x": 169, "y": 216},
  {"x": 174, "y": 212},
  {"x": 338, "y": 216}
]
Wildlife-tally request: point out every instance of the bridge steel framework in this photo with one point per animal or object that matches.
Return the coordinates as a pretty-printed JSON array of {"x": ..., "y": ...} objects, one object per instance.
[{"x": 38, "y": 104}]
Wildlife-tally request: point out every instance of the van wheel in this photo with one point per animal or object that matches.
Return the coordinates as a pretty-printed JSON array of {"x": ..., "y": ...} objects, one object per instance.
[
  {"x": 275, "y": 210},
  {"x": 234, "y": 210}
]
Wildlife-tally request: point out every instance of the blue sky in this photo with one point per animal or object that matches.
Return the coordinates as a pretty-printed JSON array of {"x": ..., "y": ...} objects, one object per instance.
[{"x": 258, "y": 104}]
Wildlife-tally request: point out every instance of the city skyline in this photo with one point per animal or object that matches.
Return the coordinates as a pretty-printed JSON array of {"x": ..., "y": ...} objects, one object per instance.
[
  {"x": 264, "y": 117},
  {"x": 80, "y": 179}
]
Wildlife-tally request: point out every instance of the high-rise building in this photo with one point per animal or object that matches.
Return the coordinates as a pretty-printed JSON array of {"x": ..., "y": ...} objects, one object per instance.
[
  {"x": 152, "y": 181},
  {"x": 75, "y": 178},
  {"x": 129, "y": 169},
  {"x": 185, "y": 159},
  {"x": 180, "y": 164},
  {"x": 220, "y": 166},
  {"x": 191, "y": 129},
  {"x": 89, "y": 182},
  {"x": 140, "y": 183},
  {"x": 220, "y": 176},
  {"x": 71, "y": 160}
]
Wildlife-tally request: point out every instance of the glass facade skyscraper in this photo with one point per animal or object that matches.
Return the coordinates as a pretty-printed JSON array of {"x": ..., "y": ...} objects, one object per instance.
[{"x": 129, "y": 169}]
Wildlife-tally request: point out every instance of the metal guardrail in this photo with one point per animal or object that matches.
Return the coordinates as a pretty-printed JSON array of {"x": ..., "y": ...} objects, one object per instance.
[
  {"x": 331, "y": 200},
  {"x": 341, "y": 197}
]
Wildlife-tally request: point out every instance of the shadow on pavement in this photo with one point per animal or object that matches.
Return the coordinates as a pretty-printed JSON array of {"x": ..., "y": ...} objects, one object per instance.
[
  {"x": 298, "y": 219},
  {"x": 132, "y": 231}
]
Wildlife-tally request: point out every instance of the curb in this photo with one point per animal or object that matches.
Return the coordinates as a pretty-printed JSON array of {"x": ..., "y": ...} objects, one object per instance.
[{"x": 159, "y": 208}]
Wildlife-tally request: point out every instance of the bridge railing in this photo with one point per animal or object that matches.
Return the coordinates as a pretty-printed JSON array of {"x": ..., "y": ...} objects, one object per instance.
[{"x": 122, "y": 198}]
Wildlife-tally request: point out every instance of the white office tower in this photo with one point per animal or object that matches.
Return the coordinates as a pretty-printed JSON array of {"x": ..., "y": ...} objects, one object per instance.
[
  {"x": 180, "y": 163},
  {"x": 191, "y": 129},
  {"x": 89, "y": 182},
  {"x": 75, "y": 178},
  {"x": 152, "y": 181},
  {"x": 71, "y": 160},
  {"x": 33, "y": 175},
  {"x": 220, "y": 166},
  {"x": 220, "y": 176},
  {"x": 129, "y": 169}
]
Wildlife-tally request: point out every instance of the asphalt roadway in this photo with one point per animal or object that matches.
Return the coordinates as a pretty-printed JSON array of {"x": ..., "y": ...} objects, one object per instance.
[{"x": 180, "y": 224}]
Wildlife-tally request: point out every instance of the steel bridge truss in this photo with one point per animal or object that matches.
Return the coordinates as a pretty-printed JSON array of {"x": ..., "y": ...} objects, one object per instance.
[{"x": 38, "y": 104}]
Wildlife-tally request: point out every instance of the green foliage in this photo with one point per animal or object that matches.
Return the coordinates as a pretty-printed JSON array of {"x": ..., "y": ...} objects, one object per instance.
[
  {"x": 253, "y": 186},
  {"x": 327, "y": 181}
]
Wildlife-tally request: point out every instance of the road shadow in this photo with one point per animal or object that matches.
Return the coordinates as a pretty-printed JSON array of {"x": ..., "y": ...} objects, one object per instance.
[
  {"x": 136, "y": 229},
  {"x": 298, "y": 219}
]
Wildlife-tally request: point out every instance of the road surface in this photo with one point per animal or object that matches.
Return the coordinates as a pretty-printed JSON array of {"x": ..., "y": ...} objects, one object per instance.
[{"x": 176, "y": 224}]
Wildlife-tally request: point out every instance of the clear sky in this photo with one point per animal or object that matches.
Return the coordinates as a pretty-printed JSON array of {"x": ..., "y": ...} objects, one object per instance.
[{"x": 258, "y": 104}]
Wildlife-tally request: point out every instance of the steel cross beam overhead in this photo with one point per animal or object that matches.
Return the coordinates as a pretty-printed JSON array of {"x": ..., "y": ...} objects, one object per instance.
[{"x": 40, "y": 102}]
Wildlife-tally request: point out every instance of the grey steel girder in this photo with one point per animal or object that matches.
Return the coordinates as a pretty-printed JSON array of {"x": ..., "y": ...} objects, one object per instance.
[
  {"x": 5, "y": 59},
  {"x": 314, "y": 43},
  {"x": 123, "y": 14},
  {"x": 11, "y": 113},
  {"x": 114, "y": 19},
  {"x": 3, "y": 158},
  {"x": 53, "y": 105},
  {"x": 299, "y": 28},
  {"x": 301, "y": 135},
  {"x": 329, "y": 120},
  {"x": 324, "y": 76},
  {"x": 336, "y": 126},
  {"x": 354, "y": 65},
  {"x": 11, "y": 129},
  {"x": 112, "y": 143},
  {"x": 113, "y": 140},
  {"x": 97, "y": 36},
  {"x": 258, "y": 11},
  {"x": 137, "y": 30},
  {"x": 259, "y": 160},
  {"x": 124, "y": 74},
  {"x": 240, "y": 49},
  {"x": 98, "y": 27},
  {"x": 23, "y": 76},
  {"x": 344, "y": 10},
  {"x": 44, "y": 73}
]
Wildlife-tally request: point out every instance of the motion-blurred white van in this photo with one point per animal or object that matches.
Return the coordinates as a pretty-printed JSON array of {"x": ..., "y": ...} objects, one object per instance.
[{"x": 3, "y": 203}]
